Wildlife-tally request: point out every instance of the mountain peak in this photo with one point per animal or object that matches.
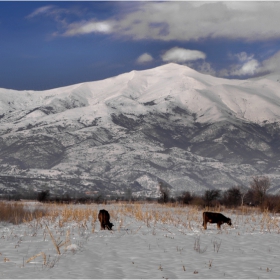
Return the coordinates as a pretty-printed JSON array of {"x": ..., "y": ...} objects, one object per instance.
[
  {"x": 175, "y": 66},
  {"x": 210, "y": 98},
  {"x": 169, "y": 124}
]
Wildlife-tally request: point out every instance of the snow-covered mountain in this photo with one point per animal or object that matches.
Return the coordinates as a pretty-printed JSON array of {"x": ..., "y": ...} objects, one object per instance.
[{"x": 171, "y": 123}]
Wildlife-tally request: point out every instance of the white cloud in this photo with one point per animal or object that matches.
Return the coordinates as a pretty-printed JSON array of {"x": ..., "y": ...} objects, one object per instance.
[
  {"x": 271, "y": 64},
  {"x": 181, "y": 55},
  {"x": 243, "y": 56},
  {"x": 41, "y": 11},
  {"x": 189, "y": 21},
  {"x": 246, "y": 65},
  {"x": 88, "y": 27},
  {"x": 56, "y": 13},
  {"x": 186, "y": 20},
  {"x": 144, "y": 58},
  {"x": 206, "y": 68},
  {"x": 248, "y": 68}
]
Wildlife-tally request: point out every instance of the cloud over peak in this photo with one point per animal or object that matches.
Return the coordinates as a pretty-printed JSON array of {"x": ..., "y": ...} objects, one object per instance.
[
  {"x": 144, "y": 58},
  {"x": 248, "y": 68},
  {"x": 181, "y": 55}
]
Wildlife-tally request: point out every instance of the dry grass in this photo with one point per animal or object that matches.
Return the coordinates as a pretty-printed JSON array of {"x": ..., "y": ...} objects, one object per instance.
[
  {"x": 85, "y": 216},
  {"x": 152, "y": 214},
  {"x": 190, "y": 217},
  {"x": 16, "y": 213}
]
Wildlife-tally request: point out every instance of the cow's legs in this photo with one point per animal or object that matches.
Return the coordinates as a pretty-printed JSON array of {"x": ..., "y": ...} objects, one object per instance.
[
  {"x": 219, "y": 225},
  {"x": 205, "y": 225}
]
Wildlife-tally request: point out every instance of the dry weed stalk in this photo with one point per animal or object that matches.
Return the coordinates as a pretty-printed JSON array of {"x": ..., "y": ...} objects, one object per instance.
[
  {"x": 197, "y": 245},
  {"x": 67, "y": 239},
  {"x": 137, "y": 230},
  {"x": 217, "y": 245},
  {"x": 35, "y": 256},
  {"x": 53, "y": 240},
  {"x": 120, "y": 224},
  {"x": 92, "y": 226},
  {"x": 58, "y": 245}
]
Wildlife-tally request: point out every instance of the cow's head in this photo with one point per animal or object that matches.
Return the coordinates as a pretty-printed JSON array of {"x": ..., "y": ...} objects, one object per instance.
[
  {"x": 229, "y": 222},
  {"x": 109, "y": 226}
]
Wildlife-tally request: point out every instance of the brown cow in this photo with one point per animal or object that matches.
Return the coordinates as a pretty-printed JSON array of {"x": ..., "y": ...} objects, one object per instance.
[
  {"x": 104, "y": 219},
  {"x": 215, "y": 218}
]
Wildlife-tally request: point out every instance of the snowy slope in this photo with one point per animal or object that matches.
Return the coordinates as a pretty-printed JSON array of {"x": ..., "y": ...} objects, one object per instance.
[
  {"x": 138, "y": 125},
  {"x": 193, "y": 91}
]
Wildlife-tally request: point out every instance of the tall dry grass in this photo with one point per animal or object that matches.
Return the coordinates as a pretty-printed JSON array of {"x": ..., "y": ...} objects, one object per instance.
[
  {"x": 151, "y": 214},
  {"x": 85, "y": 216},
  {"x": 16, "y": 212},
  {"x": 190, "y": 217}
]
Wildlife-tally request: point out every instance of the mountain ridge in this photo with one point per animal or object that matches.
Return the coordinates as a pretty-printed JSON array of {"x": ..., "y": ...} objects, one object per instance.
[
  {"x": 170, "y": 123},
  {"x": 145, "y": 86}
]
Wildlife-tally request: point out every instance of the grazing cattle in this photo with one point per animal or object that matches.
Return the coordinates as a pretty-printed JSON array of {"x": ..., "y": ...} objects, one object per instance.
[
  {"x": 215, "y": 218},
  {"x": 104, "y": 219}
]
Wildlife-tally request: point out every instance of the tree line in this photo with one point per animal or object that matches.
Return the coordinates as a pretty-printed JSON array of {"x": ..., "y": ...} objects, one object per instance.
[{"x": 256, "y": 196}]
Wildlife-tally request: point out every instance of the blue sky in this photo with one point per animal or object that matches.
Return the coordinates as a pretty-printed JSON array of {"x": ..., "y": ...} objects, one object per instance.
[{"x": 45, "y": 45}]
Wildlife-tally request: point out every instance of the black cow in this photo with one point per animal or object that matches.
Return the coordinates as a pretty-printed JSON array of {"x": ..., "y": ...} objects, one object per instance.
[
  {"x": 104, "y": 219},
  {"x": 215, "y": 218}
]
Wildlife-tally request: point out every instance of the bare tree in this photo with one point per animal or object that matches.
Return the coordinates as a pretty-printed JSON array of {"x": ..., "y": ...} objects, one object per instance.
[
  {"x": 243, "y": 191},
  {"x": 259, "y": 186},
  {"x": 249, "y": 198},
  {"x": 210, "y": 195},
  {"x": 232, "y": 197},
  {"x": 186, "y": 197},
  {"x": 128, "y": 194},
  {"x": 164, "y": 192}
]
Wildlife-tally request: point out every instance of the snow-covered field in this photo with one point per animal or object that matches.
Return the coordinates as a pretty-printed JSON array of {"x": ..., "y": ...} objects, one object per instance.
[{"x": 147, "y": 241}]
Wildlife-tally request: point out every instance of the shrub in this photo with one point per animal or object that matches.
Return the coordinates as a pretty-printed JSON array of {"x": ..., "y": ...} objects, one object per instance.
[
  {"x": 249, "y": 198},
  {"x": 185, "y": 198},
  {"x": 232, "y": 197},
  {"x": 272, "y": 203},
  {"x": 43, "y": 196},
  {"x": 197, "y": 201},
  {"x": 210, "y": 196},
  {"x": 259, "y": 187},
  {"x": 164, "y": 193}
]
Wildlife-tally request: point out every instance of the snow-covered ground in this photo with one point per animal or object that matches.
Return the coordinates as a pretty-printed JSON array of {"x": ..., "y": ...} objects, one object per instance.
[{"x": 147, "y": 241}]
